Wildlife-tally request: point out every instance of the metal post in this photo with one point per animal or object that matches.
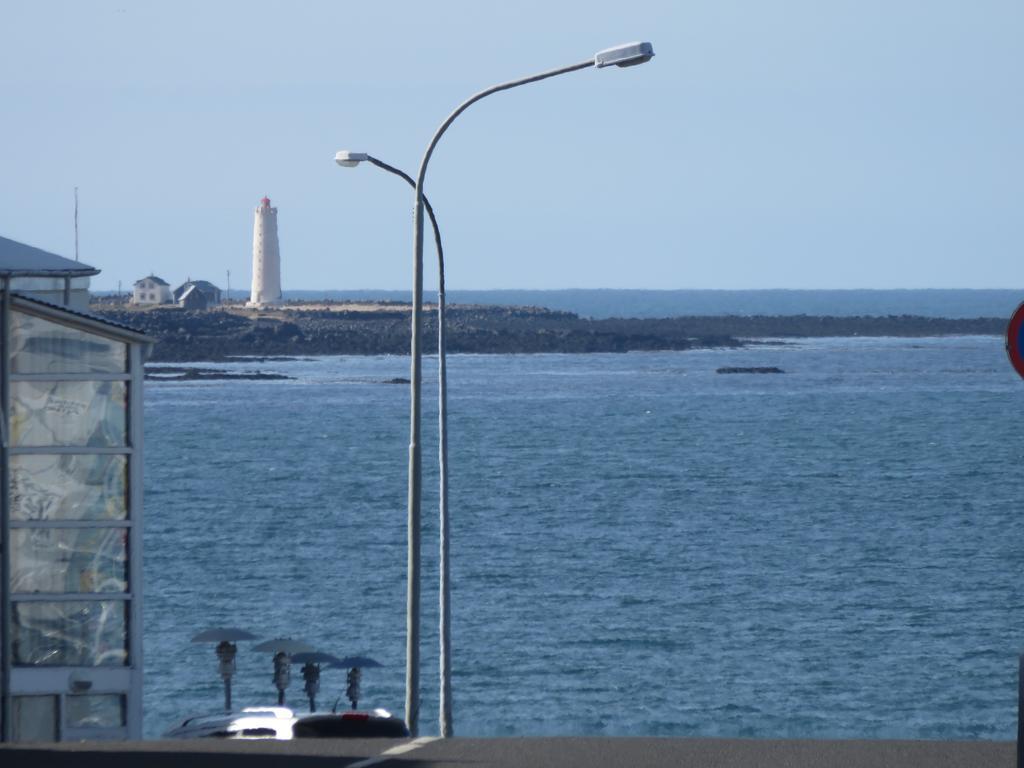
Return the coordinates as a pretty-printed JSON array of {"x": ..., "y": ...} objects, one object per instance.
[
  {"x": 76, "y": 223},
  {"x": 6, "y": 614},
  {"x": 311, "y": 674},
  {"x": 226, "y": 656},
  {"x": 352, "y": 691},
  {"x": 282, "y": 674},
  {"x": 413, "y": 617},
  {"x": 135, "y": 510},
  {"x": 445, "y": 709},
  {"x": 627, "y": 56},
  {"x": 445, "y": 713},
  {"x": 412, "y": 648},
  {"x": 1020, "y": 712}
]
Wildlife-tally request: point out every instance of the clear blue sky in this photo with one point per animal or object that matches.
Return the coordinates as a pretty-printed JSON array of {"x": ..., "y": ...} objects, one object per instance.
[{"x": 796, "y": 143}]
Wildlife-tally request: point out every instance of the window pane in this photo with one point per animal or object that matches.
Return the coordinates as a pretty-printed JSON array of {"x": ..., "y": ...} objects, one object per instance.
[
  {"x": 105, "y": 710},
  {"x": 77, "y": 634},
  {"x": 85, "y": 413},
  {"x": 41, "y": 346},
  {"x": 69, "y": 560},
  {"x": 69, "y": 487},
  {"x": 35, "y": 718}
]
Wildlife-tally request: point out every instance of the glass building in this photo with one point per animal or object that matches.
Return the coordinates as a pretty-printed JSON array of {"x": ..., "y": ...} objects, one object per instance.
[{"x": 71, "y": 509}]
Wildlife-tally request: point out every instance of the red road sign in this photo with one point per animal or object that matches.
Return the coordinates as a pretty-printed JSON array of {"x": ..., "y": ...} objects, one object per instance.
[{"x": 1015, "y": 340}]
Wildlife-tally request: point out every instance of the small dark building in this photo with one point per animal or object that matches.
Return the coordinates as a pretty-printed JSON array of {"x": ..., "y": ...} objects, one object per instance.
[
  {"x": 197, "y": 294},
  {"x": 193, "y": 298}
]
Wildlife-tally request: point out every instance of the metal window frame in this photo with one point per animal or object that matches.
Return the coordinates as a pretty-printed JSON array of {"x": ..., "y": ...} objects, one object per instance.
[
  {"x": 5, "y": 517},
  {"x": 54, "y": 683},
  {"x": 72, "y": 597},
  {"x": 127, "y": 680},
  {"x": 90, "y": 524},
  {"x": 55, "y": 378},
  {"x": 133, "y": 714},
  {"x": 70, "y": 377},
  {"x": 73, "y": 450}
]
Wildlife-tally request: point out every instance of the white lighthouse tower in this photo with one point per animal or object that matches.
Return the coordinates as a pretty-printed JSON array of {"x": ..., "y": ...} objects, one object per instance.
[{"x": 266, "y": 257}]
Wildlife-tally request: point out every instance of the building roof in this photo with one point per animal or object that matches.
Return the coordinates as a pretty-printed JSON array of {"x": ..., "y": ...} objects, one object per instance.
[
  {"x": 20, "y": 260},
  {"x": 154, "y": 278},
  {"x": 203, "y": 286}
]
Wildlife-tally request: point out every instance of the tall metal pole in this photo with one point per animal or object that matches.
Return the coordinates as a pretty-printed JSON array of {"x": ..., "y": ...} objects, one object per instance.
[
  {"x": 622, "y": 56},
  {"x": 412, "y": 616},
  {"x": 445, "y": 708},
  {"x": 76, "y": 223},
  {"x": 415, "y": 490},
  {"x": 6, "y": 645},
  {"x": 445, "y": 588},
  {"x": 1020, "y": 711}
]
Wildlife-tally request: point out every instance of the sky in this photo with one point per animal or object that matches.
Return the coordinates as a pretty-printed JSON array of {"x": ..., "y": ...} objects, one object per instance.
[{"x": 786, "y": 144}]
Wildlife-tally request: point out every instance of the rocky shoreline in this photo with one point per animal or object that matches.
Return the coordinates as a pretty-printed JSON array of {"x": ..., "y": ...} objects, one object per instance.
[
  {"x": 225, "y": 333},
  {"x": 172, "y": 373}
]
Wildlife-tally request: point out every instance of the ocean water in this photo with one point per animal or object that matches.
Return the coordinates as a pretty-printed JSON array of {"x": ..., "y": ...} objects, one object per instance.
[{"x": 640, "y": 546}]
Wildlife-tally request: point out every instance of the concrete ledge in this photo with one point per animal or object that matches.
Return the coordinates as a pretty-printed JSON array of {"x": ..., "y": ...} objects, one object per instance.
[{"x": 564, "y": 752}]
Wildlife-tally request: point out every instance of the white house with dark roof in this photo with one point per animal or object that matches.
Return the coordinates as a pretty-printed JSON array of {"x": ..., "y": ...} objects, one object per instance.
[{"x": 151, "y": 290}]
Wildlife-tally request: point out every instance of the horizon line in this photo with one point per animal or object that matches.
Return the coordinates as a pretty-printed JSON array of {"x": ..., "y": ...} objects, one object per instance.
[{"x": 565, "y": 290}]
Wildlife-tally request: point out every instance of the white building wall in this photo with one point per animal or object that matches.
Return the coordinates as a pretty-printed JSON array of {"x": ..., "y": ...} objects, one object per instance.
[
  {"x": 147, "y": 291},
  {"x": 266, "y": 257}
]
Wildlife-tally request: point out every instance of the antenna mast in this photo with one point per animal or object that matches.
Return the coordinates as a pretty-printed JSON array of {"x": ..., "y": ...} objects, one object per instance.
[{"x": 76, "y": 223}]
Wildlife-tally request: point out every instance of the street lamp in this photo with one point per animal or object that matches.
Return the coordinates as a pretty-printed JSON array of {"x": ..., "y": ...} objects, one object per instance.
[
  {"x": 348, "y": 159},
  {"x": 621, "y": 56},
  {"x": 628, "y": 55}
]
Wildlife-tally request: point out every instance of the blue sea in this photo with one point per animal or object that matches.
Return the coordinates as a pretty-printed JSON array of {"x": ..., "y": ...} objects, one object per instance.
[{"x": 640, "y": 546}]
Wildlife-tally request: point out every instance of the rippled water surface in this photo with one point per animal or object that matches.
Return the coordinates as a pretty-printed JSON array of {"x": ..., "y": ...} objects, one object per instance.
[{"x": 640, "y": 545}]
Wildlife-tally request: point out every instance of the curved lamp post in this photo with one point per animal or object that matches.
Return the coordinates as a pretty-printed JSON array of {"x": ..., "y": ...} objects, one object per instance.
[
  {"x": 627, "y": 55},
  {"x": 348, "y": 159}
]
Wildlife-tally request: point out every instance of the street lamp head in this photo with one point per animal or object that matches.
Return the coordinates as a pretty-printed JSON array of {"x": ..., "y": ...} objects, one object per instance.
[
  {"x": 348, "y": 159},
  {"x": 628, "y": 55}
]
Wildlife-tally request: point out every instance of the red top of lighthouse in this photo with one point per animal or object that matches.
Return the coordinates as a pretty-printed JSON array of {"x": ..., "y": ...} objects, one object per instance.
[{"x": 266, "y": 202}]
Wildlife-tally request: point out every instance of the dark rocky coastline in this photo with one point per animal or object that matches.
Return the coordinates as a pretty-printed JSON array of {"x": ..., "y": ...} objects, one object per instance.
[
  {"x": 219, "y": 335},
  {"x": 171, "y": 373},
  {"x": 755, "y": 369}
]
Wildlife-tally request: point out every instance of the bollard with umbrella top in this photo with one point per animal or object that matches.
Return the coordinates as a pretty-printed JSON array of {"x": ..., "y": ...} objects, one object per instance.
[
  {"x": 283, "y": 649},
  {"x": 311, "y": 661},
  {"x": 355, "y": 665},
  {"x": 225, "y": 637}
]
